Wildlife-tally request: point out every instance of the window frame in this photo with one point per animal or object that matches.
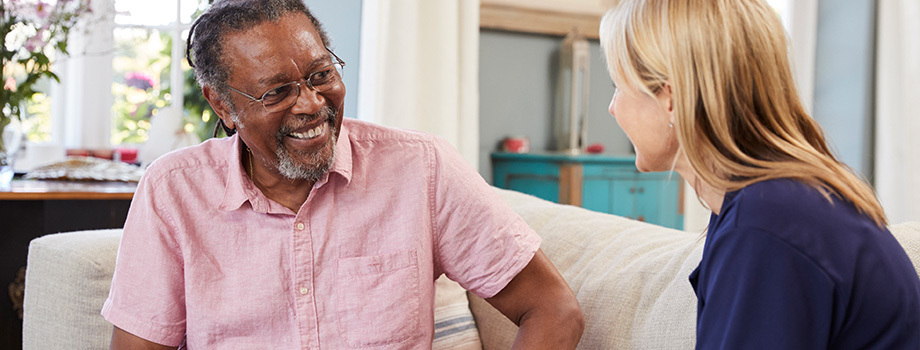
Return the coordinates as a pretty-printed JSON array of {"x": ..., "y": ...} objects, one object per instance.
[{"x": 81, "y": 106}]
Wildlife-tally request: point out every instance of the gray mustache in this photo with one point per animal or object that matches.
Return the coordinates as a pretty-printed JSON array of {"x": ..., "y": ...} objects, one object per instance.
[{"x": 327, "y": 113}]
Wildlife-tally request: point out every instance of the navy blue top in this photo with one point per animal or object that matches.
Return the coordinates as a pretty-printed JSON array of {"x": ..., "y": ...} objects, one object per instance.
[{"x": 783, "y": 268}]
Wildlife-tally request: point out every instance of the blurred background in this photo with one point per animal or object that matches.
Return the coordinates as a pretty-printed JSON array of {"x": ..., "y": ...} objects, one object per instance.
[{"x": 476, "y": 72}]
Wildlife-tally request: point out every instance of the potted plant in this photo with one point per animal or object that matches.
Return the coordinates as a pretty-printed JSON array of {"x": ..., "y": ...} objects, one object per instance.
[{"x": 32, "y": 30}]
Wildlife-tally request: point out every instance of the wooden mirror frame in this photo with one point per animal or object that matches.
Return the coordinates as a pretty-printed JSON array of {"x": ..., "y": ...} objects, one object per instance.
[{"x": 548, "y": 17}]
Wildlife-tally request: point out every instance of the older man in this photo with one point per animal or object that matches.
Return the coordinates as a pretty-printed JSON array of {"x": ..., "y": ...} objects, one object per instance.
[{"x": 304, "y": 230}]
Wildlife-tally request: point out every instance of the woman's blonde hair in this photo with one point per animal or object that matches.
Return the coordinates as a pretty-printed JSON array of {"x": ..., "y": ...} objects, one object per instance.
[{"x": 736, "y": 108}]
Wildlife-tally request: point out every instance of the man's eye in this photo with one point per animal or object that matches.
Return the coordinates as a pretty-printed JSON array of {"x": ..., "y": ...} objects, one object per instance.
[
  {"x": 321, "y": 77},
  {"x": 276, "y": 94},
  {"x": 273, "y": 92}
]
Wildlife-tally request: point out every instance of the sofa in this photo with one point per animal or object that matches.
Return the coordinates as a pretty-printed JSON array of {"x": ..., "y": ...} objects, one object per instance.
[{"x": 630, "y": 278}]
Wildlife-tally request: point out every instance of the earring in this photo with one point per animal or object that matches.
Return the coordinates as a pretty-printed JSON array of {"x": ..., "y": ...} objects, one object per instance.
[{"x": 671, "y": 125}]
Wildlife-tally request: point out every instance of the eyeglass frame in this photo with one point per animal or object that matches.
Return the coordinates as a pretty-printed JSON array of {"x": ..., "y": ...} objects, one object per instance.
[{"x": 261, "y": 100}]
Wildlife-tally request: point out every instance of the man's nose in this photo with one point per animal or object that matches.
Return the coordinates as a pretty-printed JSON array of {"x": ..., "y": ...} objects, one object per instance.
[{"x": 309, "y": 101}]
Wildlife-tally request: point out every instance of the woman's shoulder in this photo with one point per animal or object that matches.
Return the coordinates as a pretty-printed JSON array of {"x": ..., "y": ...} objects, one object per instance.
[
  {"x": 783, "y": 198},
  {"x": 795, "y": 212}
]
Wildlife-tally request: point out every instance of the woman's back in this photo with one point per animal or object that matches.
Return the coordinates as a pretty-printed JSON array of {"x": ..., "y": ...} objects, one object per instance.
[{"x": 803, "y": 272}]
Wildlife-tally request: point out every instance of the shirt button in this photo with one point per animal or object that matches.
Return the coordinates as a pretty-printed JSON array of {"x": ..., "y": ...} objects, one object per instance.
[
  {"x": 300, "y": 226},
  {"x": 304, "y": 290}
]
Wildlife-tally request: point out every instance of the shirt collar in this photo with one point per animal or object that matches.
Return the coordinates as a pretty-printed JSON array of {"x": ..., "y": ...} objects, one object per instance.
[
  {"x": 240, "y": 188},
  {"x": 343, "y": 160}
]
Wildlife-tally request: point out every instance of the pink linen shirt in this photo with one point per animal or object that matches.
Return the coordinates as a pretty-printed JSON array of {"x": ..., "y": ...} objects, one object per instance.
[{"x": 207, "y": 261}]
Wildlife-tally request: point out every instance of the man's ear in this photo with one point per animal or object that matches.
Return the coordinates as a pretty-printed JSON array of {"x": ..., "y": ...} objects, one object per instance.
[{"x": 218, "y": 105}]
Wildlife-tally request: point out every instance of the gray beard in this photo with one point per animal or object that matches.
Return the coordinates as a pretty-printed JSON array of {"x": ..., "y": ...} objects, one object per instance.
[{"x": 317, "y": 164}]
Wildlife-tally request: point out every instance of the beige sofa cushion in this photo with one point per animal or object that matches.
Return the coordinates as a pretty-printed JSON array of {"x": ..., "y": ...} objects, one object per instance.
[
  {"x": 629, "y": 277},
  {"x": 908, "y": 234},
  {"x": 67, "y": 280}
]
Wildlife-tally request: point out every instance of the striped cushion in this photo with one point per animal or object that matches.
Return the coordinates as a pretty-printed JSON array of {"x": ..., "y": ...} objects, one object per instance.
[{"x": 454, "y": 327}]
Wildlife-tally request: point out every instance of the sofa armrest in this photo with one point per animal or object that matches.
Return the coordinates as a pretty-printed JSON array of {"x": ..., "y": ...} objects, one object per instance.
[{"x": 68, "y": 276}]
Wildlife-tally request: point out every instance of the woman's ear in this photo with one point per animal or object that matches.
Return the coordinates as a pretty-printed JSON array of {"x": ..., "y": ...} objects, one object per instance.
[
  {"x": 219, "y": 106},
  {"x": 666, "y": 99}
]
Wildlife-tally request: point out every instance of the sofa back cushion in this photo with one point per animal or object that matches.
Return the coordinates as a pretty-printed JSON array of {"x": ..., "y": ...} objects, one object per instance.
[
  {"x": 908, "y": 234},
  {"x": 630, "y": 277}
]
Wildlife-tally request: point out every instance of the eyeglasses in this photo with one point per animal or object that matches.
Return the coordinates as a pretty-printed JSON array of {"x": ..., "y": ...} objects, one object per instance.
[{"x": 285, "y": 96}]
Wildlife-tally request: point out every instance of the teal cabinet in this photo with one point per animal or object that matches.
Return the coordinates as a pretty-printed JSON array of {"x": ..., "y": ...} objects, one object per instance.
[{"x": 608, "y": 184}]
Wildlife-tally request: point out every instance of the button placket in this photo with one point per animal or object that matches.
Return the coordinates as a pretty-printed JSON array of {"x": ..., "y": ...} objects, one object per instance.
[{"x": 303, "y": 272}]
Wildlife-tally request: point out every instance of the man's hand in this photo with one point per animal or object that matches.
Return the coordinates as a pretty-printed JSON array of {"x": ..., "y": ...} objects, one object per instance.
[
  {"x": 122, "y": 340},
  {"x": 541, "y": 303}
]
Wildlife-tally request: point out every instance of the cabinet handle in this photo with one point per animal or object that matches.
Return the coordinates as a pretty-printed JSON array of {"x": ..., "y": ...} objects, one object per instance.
[
  {"x": 632, "y": 190},
  {"x": 641, "y": 189},
  {"x": 642, "y": 218}
]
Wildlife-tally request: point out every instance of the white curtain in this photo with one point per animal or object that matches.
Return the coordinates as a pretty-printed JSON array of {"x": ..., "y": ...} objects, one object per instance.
[
  {"x": 420, "y": 66},
  {"x": 897, "y": 167}
]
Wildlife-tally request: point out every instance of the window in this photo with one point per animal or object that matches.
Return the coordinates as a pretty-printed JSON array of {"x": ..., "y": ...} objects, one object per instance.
[
  {"x": 126, "y": 69},
  {"x": 149, "y": 67}
]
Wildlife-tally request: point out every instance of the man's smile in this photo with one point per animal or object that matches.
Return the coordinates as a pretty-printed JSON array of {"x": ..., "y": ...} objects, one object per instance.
[{"x": 312, "y": 133}]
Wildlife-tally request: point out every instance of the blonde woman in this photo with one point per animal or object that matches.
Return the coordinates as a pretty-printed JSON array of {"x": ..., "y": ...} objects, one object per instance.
[{"x": 797, "y": 254}]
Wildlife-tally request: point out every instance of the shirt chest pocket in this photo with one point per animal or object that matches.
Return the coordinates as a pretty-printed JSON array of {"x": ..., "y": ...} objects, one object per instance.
[{"x": 377, "y": 299}]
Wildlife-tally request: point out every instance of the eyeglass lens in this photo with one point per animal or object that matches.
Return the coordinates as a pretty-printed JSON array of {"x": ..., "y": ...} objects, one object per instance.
[{"x": 285, "y": 95}]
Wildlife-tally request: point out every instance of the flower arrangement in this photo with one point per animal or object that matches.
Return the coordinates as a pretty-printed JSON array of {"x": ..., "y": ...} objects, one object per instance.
[{"x": 32, "y": 30}]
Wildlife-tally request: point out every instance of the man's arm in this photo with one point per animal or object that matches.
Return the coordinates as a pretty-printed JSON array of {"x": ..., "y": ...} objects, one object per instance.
[
  {"x": 541, "y": 303},
  {"x": 122, "y": 340}
]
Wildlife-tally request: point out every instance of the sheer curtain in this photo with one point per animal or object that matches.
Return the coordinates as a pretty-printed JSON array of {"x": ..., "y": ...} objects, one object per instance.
[
  {"x": 420, "y": 66},
  {"x": 897, "y": 167}
]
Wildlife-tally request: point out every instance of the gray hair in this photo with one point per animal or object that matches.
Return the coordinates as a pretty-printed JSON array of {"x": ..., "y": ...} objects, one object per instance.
[{"x": 225, "y": 17}]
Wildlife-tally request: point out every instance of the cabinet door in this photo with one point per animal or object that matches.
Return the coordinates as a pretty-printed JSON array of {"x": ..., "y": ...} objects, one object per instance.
[
  {"x": 623, "y": 197},
  {"x": 610, "y": 189},
  {"x": 669, "y": 200},
  {"x": 534, "y": 178},
  {"x": 648, "y": 197},
  {"x": 597, "y": 194},
  {"x": 543, "y": 187},
  {"x": 657, "y": 200}
]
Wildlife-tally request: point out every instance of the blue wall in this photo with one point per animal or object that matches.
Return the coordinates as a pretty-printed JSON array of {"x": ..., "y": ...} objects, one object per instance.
[{"x": 342, "y": 20}]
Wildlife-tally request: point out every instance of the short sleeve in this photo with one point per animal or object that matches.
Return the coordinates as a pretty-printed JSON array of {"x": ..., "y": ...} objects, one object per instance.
[
  {"x": 480, "y": 241},
  {"x": 146, "y": 297},
  {"x": 758, "y": 292}
]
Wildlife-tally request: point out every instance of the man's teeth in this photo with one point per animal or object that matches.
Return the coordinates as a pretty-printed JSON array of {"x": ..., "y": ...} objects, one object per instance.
[{"x": 317, "y": 131}]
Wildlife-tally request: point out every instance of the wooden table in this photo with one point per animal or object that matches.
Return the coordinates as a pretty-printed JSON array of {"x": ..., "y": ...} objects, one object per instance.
[
  {"x": 33, "y": 208},
  {"x": 42, "y": 190}
]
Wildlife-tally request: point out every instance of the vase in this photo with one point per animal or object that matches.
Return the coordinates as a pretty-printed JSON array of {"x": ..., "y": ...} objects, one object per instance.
[{"x": 11, "y": 137}]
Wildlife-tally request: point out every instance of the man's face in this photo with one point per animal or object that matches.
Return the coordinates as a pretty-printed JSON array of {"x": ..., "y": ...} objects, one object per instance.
[{"x": 297, "y": 142}]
